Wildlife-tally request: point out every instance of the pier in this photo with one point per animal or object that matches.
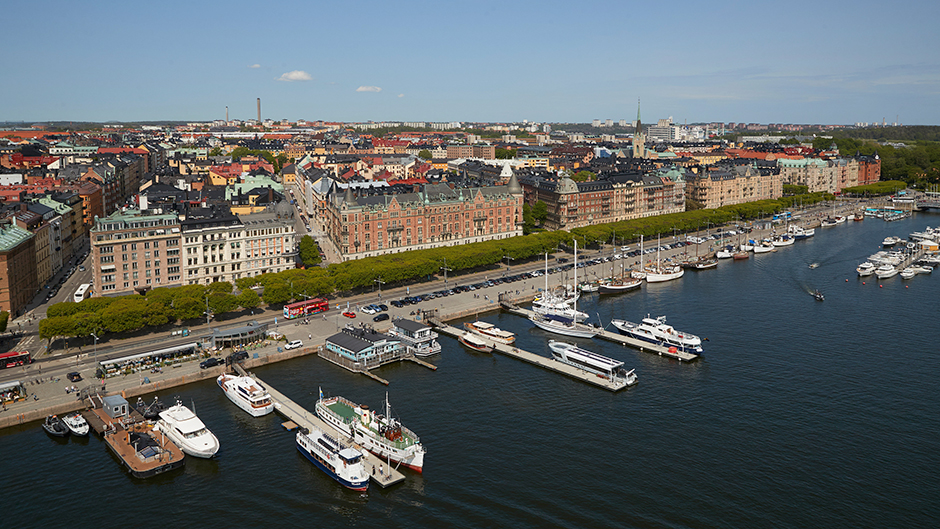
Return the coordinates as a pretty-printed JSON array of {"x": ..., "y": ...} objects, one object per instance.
[
  {"x": 615, "y": 337},
  {"x": 534, "y": 359},
  {"x": 306, "y": 419}
]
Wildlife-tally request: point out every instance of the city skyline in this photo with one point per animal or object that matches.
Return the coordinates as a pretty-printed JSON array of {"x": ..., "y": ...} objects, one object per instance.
[{"x": 832, "y": 63}]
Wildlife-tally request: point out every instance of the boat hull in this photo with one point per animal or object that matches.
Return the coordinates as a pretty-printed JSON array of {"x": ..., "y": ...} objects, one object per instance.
[
  {"x": 576, "y": 331},
  {"x": 613, "y": 288},
  {"x": 413, "y": 457},
  {"x": 658, "y": 277},
  {"x": 358, "y": 485},
  {"x": 634, "y": 331},
  {"x": 230, "y": 391}
]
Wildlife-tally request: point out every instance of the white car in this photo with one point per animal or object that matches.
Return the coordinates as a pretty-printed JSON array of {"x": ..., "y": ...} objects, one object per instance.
[
  {"x": 618, "y": 256},
  {"x": 294, "y": 344},
  {"x": 624, "y": 248},
  {"x": 368, "y": 310}
]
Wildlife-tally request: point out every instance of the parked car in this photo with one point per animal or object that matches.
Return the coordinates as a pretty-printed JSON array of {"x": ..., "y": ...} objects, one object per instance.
[
  {"x": 210, "y": 362},
  {"x": 237, "y": 356},
  {"x": 368, "y": 309},
  {"x": 294, "y": 344},
  {"x": 74, "y": 376},
  {"x": 397, "y": 304},
  {"x": 382, "y": 307},
  {"x": 380, "y": 317},
  {"x": 349, "y": 314}
]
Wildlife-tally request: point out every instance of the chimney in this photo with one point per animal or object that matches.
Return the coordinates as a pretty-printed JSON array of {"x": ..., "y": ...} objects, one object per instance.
[
  {"x": 259, "y": 110},
  {"x": 226, "y": 114}
]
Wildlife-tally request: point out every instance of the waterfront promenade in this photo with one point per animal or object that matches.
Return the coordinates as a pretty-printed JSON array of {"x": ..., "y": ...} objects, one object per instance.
[{"x": 51, "y": 395}]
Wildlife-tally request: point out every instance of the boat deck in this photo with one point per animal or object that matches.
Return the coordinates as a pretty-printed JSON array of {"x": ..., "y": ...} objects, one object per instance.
[
  {"x": 306, "y": 419},
  {"x": 153, "y": 454},
  {"x": 536, "y": 360}
]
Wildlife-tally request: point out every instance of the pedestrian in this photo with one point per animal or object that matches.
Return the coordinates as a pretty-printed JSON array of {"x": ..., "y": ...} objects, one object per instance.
[
  {"x": 373, "y": 470},
  {"x": 310, "y": 337},
  {"x": 380, "y": 471}
]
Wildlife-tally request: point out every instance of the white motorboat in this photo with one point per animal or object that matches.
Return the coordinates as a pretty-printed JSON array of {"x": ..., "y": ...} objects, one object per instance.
[
  {"x": 890, "y": 241},
  {"x": 246, "y": 394},
  {"x": 340, "y": 462},
  {"x": 922, "y": 269},
  {"x": 765, "y": 246},
  {"x": 381, "y": 434},
  {"x": 76, "y": 424},
  {"x": 798, "y": 232},
  {"x": 657, "y": 332},
  {"x": 561, "y": 325},
  {"x": 865, "y": 269},
  {"x": 782, "y": 240},
  {"x": 828, "y": 222},
  {"x": 472, "y": 341},
  {"x": 907, "y": 273},
  {"x": 885, "y": 271},
  {"x": 491, "y": 331},
  {"x": 725, "y": 252},
  {"x": 592, "y": 362},
  {"x": 558, "y": 309},
  {"x": 184, "y": 428}
]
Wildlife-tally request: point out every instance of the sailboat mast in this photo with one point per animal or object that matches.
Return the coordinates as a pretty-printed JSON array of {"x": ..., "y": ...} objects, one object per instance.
[{"x": 575, "y": 305}]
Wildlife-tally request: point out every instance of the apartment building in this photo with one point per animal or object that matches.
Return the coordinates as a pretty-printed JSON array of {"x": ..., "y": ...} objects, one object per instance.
[{"x": 134, "y": 251}]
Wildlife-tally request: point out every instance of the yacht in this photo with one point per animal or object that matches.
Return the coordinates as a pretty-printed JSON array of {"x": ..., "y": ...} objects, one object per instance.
[
  {"x": 609, "y": 368},
  {"x": 246, "y": 394},
  {"x": 907, "y": 273},
  {"x": 381, "y": 434},
  {"x": 561, "y": 325},
  {"x": 185, "y": 429},
  {"x": 470, "y": 340},
  {"x": 885, "y": 271},
  {"x": 783, "y": 240},
  {"x": 76, "y": 424},
  {"x": 340, "y": 462},
  {"x": 765, "y": 246},
  {"x": 865, "y": 269},
  {"x": 890, "y": 241},
  {"x": 656, "y": 331},
  {"x": 799, "y": 232},
  {"x": 491, "y": 331}
]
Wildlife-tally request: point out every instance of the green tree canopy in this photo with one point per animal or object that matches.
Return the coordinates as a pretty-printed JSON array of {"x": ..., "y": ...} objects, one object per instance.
[
  {"x": 540, "y": 211},
  {"x": 584, "y": 176},
  {"x": 425, "y": 154}
]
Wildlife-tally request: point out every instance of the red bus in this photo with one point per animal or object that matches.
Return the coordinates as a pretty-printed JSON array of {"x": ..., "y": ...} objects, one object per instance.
[
  {"x": 15, "y": 358},
  {"x": 303, "y": 308}
]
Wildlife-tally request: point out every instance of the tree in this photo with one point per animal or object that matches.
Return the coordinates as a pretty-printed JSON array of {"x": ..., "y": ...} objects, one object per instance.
[
  {"x": 505, "y": 154},
  {"x": 540, "y": 212},
  {"x": 276, "y": 293},
  {"x": 248, "y": 299},
  {"x": 425, "y": 154},
  {"x": 222, "y": 302},
  {"x": 309, "y": 253},
  {"x": 584, "y": 176},
  {"x": 216, "y": 152},
  {"x": 528, "y": 221},
  {"x": 4, "y": 318}
]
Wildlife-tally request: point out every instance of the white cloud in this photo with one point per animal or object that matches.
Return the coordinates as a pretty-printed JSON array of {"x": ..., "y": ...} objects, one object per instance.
[
  {"x": 401, "y": 95},
  {"x": 295, "y": 75},
  {"x": 368, "y": 89},
  {"x": 255, "y": 66}
]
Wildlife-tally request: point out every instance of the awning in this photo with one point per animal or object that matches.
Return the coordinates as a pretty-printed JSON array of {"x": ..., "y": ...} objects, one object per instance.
[{"x": 108, "y": 268}]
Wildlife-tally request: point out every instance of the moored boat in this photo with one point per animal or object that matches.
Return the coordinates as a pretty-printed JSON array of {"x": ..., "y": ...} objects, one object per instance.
[
  {"x": 885, "y": 271},
  {"x": 619, "y": 284},
  {"x": 381, "y": 434},
  {"x": 657, "y": 332},
  {"x": 470, "y": 340},
  {"x": 764, "y": 246},
  {"x": 53, "y": 425},
  {"x": 340, "y": 462},
  {"x": 609, "y": 368},
  {"x": 247, "y": 394},
  {"x": 184, "y": 428},
  {"x": 491, "y": 331},
  {"x": 782, "y": 240},
  {"x": 865, "y": 269},
  {"x": 907, "y": 273},
  {"x": 76, "y": 424},
  {"x": 561, "y": 325}
]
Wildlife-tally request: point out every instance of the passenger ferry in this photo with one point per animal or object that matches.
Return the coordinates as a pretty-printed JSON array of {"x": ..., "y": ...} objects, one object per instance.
[
  {"x": 342, "y": 463},
  {"x": 491, "y": 331},
  {"x": 246, "y": 394},
  {"x": 608, "y": 368},
  {"x": 383, "y": 435},
  {"x": 655, "y": 331},
  {"x": 470, "y": 340}
]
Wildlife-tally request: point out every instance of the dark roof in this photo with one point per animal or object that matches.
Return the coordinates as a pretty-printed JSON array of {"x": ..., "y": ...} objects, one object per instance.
[{"x": 410, "y": 326}]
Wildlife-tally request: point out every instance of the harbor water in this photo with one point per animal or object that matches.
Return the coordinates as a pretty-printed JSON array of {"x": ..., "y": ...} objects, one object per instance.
[{"x": 800, "y": 414}]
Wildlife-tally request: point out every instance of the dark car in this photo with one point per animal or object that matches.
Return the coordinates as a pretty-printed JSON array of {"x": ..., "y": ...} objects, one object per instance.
[
  {"x": 397, "y": 304},
  {"x": 210, "y": 362},
  {"x": 380, "y": 317},
  {"x": 74, "y": 376},
  {"x": 383, "y": 307},
  {"x": 237, "y": 356}
]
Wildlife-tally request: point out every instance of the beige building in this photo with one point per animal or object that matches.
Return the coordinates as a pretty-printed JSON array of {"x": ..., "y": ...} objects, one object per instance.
[
  {"x": 722, "y": 186},
  {"x": 133, "y": 251}
]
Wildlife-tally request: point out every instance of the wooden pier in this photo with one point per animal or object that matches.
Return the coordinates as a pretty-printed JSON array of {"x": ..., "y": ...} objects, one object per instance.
[
  {"x": 534, "y": 359},
  {"x": 616, "y": 338},
  {"x": 309, "y": 420}
]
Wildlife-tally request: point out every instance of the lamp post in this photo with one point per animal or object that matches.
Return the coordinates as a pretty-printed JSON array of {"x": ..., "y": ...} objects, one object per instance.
[
  {"x": 445, "y": 269},
  {"x": 380, "y": 282},
  {"x": 507, "y": 258},
  {"x": 95, "y": 336}
]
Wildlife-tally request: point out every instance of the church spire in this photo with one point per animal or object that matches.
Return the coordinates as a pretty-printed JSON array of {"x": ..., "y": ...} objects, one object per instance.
[{"x": 639, "y": 126}]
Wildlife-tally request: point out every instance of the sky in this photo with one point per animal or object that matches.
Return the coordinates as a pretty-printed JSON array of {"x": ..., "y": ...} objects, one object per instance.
[{"x": 806, "y": 62}]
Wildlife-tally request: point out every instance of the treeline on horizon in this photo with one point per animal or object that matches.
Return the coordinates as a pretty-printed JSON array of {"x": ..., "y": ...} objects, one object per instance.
[{"x": 168, "y": 305}]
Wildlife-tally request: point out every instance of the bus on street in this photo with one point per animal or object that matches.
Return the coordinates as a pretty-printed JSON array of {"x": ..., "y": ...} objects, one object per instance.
[{"x": 82, "y": 293}]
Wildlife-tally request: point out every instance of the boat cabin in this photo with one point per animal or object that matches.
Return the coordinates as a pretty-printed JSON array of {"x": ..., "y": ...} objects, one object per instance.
[{"x": 115, "y": 406}]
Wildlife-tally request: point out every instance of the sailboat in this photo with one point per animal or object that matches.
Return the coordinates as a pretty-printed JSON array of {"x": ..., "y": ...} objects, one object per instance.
[
  {"x": 660, "y": 272},
  {"x": 560, "y": 324},
  {"x": 548, "y": 304},
  {"x": 616, "y": 285}
]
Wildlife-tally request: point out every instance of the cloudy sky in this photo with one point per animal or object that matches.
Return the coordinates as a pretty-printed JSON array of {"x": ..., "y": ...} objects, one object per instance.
[{"x": 788, "y": 62}]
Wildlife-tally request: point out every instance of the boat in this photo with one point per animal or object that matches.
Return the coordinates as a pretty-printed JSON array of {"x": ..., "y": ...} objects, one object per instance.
[
  {"x": 885, "y": 271},
  {"x": 381, "y": 434},
  {"x": 818, "y": 295},
  {"x": 562, "y": 325},
  {"x": 782, "y": 240},
  {"x": 589, "y": 286},
  {"x": 907, "y": 273},
  {"x": 150, "y": 411},
  {"x": 828, "y": 222},
  {"x": 890, "y": 241},
  {"x": 657, "y": 332},
  {"x": 76, "y": 424},
  {"x": 858, "y": 216},
  {"x": 470, "y": 340},
  {"x": 603, "y": 366},
  {"x": 814, "y": 266},
  {"x": 184, "y": 428},
  {"x": 491, "y": 331},
  {"x": 619, "y": 284},
  {"x": 765, "y": 246},
  {"x": 247, "y": 394},
  {"x": 340, "y": 462},
  {"x": 54, "y": 426},
  {"x": 741, "y": 254},
  {"x": 865, "y": 269},
  {"x": 922, "y": 268},
  {"x": 725, "y": 252},
  {"x": 839, "y": 219},
  {"x": 661, "y": 272},
  {"x": 144, "y": 452},
  {"x": 560, "y": 308},
  {"x": 798, "y": 232},
  {"x": 701, "y": 263}
]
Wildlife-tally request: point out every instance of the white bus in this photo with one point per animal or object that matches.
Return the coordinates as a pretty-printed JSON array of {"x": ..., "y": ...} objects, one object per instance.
[{"x": 82, "y": 292}]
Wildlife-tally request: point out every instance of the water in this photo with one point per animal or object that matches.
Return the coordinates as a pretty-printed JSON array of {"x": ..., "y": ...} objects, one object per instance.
[{"x": 800, "y": 414}]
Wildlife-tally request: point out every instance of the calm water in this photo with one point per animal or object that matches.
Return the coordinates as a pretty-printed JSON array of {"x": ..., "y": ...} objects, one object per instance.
[{"x": 801, "y": 414}]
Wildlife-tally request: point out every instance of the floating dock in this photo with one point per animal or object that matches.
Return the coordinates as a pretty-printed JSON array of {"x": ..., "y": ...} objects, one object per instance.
[
  {"x": 616, "y": 338},
  {"x": 534, "y": 359},
  {"x": 305, "y": 419}
]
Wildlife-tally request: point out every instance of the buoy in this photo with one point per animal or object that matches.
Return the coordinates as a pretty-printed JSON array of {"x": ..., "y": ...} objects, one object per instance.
[
  {"x": 863, "y": 282},
  {"x": 846, "y": 280},
  {"x": 881, "y": 286},
  {"x": 907, "y": 286}
]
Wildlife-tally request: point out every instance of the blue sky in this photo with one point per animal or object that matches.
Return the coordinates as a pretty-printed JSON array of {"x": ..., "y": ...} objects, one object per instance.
[{"x": 790, "y": 62}]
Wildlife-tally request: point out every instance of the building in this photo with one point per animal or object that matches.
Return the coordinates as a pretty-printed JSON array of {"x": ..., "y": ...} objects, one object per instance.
[
  {"x": 428, "y": 216},
  {"x": 723, "y": 185},
  {"x": 18, "y": 282},
  {"x": 364, "y": 346},
  {"x": 134, "y": 251}
]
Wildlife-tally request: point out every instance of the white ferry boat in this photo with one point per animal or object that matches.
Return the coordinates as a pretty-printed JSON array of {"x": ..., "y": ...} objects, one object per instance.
[
  {"x": 342, "y": 463},
  {"x": 472, "y": 341},
  {"x": 185, "y": 429},
  {"x": 656, "y": 331},
  {"x": 608, "y": 368},
  {"x": 380, "y": 434},
  {"x": 491, "y": 331},
  {"x": 246, "y": 394}
]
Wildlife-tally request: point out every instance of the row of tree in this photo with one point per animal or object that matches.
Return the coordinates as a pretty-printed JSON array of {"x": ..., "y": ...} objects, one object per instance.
[{"x": 166, "y": 305}]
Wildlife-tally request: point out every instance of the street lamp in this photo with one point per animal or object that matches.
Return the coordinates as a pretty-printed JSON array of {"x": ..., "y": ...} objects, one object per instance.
[
  {"x": 507, "y": 258},
  {"x": 380, "y": 282},
  {"x": 95, "y": 336},
  {"x": 445, "y": 269}
]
